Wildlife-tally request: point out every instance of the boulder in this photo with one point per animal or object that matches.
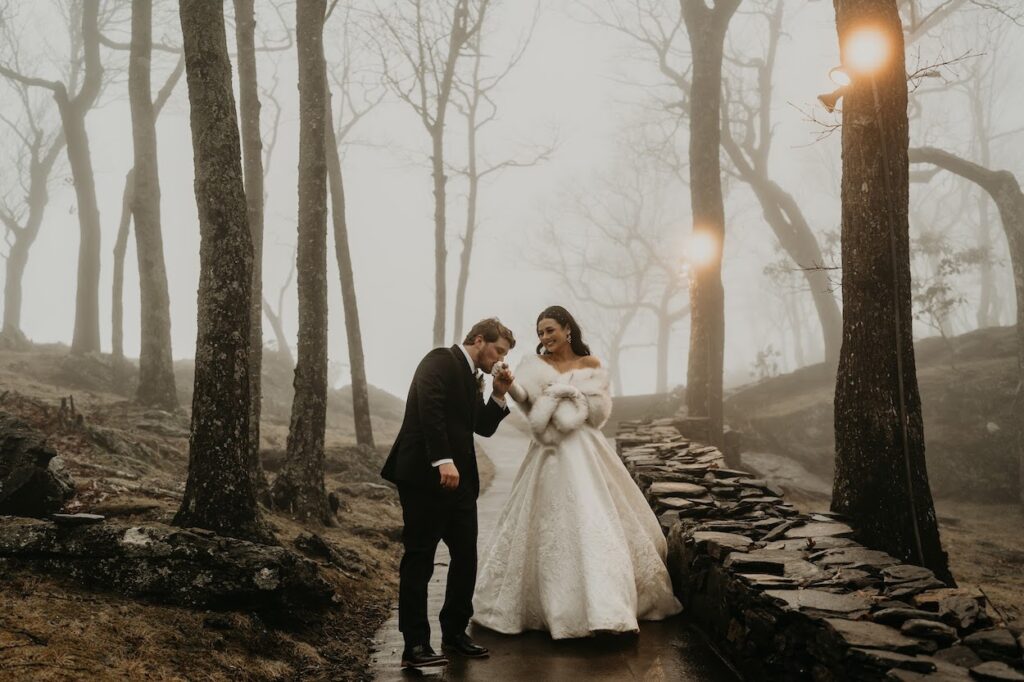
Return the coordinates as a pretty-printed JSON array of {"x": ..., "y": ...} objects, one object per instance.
[
  {"x": 33, "y": 481},
  {"x": 166, "y": 564}
]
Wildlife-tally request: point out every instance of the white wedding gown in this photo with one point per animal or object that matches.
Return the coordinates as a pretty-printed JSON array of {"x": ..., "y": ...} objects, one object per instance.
[{"x": 577, "y": 549}]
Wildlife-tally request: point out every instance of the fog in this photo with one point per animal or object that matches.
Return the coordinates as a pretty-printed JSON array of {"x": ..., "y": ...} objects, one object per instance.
[{"x": 583, "y": 87}]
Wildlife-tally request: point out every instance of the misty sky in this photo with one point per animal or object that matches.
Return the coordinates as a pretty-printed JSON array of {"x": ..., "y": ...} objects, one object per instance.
[{"x": 579, "y": 83}]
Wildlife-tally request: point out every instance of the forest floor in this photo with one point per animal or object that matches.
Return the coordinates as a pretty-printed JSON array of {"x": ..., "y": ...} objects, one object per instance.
[
  {"x": 967, "y": 388},
  {"x": 130, "y": 464}
]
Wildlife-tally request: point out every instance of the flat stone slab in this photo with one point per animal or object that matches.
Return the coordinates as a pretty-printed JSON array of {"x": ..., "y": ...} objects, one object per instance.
[
  {"x": 994, "y": 642},
  {"x": 994, "y": 670},
  {"x": 898, "y": 616},
  {"x": 719, "y": 545},
  {"x": 865, "y": 634},
  {"x": 676, "y": 502},
  {"x": 929, "y": 629},
  {"x": 678, "y": 488},
  {"x": 854, "y": 557},
  {"x": 818, "y": 529},
  {"x": 886, "y": 660},
  {"x": 819, "y": 600}
]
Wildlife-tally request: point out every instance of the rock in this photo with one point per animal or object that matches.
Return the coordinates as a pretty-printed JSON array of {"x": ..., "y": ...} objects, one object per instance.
[
  {"x": 764, "y": 581},
  {"x": 166, "y": 564},
  {"x": 675, "y": 502},
  {"x": 996, "y": 643},
  {"x": 897, "y": 616},
  {"x": 962, "y": 612},
  {"x": 865, "y": 634},
  {"x": 994, "y": 670},
  {"x": 944, "y": 672},
  {"x": 811, "y": 543},
  {"x": 887, "y": 660},
  {"x": 958, "y": 655},
  {"x": 905, "y": 573},
  {"x": 854, "y": 557},
  {"x": 849, "y": 605},
  {"x": 678, "y": 488},
  {"x": 853, "y": 578},
  {"x": 820, "y": 530},
  {"x": 33, "y": 481},
  {"x": 929, "y": 629},
  {"x": 76, "y": 519},
  {"x": 719, "y": 545}
]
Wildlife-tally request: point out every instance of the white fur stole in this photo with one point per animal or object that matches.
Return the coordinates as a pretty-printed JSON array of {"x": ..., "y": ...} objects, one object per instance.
[{"x": 557, "y": 404}]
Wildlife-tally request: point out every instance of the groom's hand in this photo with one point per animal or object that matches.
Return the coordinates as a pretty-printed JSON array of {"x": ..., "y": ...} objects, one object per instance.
[
  {"x": 502, "y": 381},
  {"x": 449, "y": 476}
]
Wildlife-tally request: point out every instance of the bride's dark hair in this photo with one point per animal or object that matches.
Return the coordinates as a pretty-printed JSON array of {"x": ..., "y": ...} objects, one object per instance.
[{"x": 564, "y": 318}]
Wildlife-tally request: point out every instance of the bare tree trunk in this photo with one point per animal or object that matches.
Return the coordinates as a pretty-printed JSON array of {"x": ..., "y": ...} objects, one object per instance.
[
  {"x": 707, "y": 27},
  {"x": 342, "y": 252},
  {"x": 252, "y": 162},
  {"x": 156, "y": 366},
  {"x": 881, "y": 478},
  {"x": 784, "y": 216},
  {"x": 24, "y": 236},
  {"x": 1005, "y": 191},
  {"x": 440, "y": 247},
  {"x": 117, "y": 288},
  {"x": 123, "y": 230},
  {"x": 471, "y": 220},
  {"x": 664, "y": 336},
  {"x": 219, "y": 494},
  {"x": 300, "y": 486},
  {"x": 278, "y": 327},
  {"x": 988, "y": 301},
  {"x": 17, "y": 260},
  {"x": 86, "y": 337}
]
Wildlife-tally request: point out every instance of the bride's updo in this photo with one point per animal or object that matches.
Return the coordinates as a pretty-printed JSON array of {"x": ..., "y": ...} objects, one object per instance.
[{"x": 565, "y": 319}]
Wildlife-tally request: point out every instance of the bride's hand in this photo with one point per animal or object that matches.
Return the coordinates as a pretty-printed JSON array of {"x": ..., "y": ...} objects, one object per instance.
[{"x": 562, "y": 391}]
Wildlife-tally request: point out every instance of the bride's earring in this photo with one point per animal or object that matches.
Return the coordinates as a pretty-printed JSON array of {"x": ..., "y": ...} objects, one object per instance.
[{"x": 568, "y": 337}]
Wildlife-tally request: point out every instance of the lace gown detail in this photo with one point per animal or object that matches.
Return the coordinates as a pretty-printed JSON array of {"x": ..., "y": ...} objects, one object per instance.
[{"x": 577, "y": 549}]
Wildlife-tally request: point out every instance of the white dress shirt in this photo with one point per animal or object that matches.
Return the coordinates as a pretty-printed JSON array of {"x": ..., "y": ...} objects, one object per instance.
[{"x": 476, "y": 373}]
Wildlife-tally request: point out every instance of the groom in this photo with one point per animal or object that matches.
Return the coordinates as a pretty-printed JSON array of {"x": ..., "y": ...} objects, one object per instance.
[{"x": 433, "y": 463}]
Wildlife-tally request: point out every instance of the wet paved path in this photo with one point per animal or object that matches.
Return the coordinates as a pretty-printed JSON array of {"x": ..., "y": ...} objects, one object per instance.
[{"x": 668, "y": 650}]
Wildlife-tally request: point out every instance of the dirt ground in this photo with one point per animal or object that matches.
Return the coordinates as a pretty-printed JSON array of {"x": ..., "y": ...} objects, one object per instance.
[{"x": 130, "y": 463}]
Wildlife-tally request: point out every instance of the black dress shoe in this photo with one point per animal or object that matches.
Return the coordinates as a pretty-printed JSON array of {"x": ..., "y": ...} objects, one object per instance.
[
  {"x": 463, "y": 646},
  {"x": 422, "y": 656}
]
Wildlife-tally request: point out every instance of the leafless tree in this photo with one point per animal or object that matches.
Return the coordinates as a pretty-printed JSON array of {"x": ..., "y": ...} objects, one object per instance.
[
  {"x": 156, "y": 364},
  {"x": 477, "y": 104},
  {"x": 300, "y": 485},
  {"x": 747, "y": 132},
  {"x": 353, "y": 107},
  {"x": 75, "y": 97},
  {"x": 38, "y": 147},
  {"x": 613, "y": 253},
  {"x": 420, "y": 46}
]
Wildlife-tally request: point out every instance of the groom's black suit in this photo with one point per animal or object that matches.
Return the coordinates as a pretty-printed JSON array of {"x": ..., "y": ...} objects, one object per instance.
[{"x": 443, "y": 411}]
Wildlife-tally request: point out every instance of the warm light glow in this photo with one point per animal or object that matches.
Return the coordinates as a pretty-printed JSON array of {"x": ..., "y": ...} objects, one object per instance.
[
  {"x": 865, "y": 51},
  {"x": 701, "y": 248},
  {"x": 839, "y": 76}
]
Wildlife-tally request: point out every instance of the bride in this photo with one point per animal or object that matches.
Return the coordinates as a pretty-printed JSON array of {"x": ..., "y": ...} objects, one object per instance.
[{"x": 577, "y": 549}]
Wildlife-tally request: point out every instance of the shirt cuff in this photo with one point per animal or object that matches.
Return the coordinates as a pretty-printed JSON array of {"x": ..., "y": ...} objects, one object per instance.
[
  {"x": 442, "y": 461},
  {"x": 500, "y": 401}
]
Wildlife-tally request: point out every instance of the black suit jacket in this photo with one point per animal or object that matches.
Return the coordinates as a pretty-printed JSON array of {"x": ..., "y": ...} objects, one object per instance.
[{"x": 443, "y": 411}]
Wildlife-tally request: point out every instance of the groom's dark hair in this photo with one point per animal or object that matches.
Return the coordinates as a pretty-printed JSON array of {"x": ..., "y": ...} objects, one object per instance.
[{"x": 491, "y": 329}]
